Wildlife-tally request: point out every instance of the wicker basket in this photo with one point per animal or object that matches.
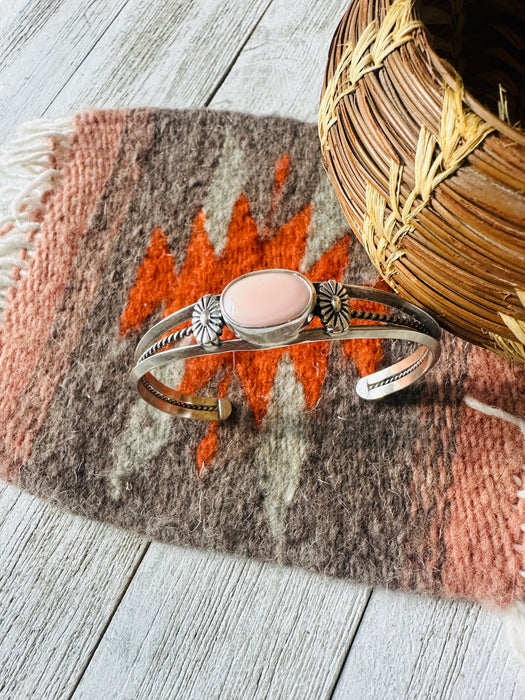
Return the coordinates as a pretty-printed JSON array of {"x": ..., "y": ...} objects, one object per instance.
[{"x": 430, "y": 179}]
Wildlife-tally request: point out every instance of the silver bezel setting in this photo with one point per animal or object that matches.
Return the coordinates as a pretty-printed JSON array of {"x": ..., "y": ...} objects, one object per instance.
[{"x": 276, "y": 335}]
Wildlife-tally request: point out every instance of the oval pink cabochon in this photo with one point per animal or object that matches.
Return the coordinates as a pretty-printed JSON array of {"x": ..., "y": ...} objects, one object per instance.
[{"x": 266, "y": 299}]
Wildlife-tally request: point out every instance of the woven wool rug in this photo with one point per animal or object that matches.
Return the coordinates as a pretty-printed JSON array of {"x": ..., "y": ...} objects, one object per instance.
[{"x": 116, "y": 218}]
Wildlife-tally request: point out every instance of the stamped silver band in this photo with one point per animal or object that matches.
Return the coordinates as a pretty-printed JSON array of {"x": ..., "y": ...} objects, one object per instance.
[{"x": 329, "y": 301}]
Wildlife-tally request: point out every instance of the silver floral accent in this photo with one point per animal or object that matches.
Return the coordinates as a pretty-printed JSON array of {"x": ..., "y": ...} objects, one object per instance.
[
  {"x": 334, "y": 309},
  {"x": 207, "y": 321}
]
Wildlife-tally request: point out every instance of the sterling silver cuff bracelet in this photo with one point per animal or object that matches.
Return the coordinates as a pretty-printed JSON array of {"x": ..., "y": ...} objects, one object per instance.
[{"x": 272, "y": 309}]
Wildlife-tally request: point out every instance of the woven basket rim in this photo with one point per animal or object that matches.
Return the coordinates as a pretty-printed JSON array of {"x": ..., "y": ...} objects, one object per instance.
[{"x": 450, "y": 75}]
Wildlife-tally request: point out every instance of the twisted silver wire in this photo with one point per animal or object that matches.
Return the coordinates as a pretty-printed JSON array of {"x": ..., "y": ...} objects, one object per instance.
[
  {"x": 386, "y": 318},
  {"x": 168, "y": 340},
  {"x": 402, "y": 373},
  {"x": 175, "y": 402}
]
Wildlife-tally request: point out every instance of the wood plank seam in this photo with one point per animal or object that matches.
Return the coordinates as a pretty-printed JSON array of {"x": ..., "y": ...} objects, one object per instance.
[
  {"x": 97, "y": 41},
  {"x": 103, "y": 631},
  {"x": 333, "y": 688},
  {"x": 236, "y": 57}
]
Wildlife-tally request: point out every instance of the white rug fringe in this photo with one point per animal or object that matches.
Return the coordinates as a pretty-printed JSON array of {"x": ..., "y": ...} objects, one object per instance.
[{"x": 25, "y": 175}]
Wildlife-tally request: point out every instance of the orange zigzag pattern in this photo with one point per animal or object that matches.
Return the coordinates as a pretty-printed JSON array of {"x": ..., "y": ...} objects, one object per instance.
[{"x": 159, "y": 284}]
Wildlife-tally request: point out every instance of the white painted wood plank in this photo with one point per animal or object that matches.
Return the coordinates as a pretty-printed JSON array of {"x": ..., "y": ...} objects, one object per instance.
[
  {"x": 291, "y": 69},
  {"x": 411, "y": 646},
  {"x": 153, "y": 648},
  {"x": 201, "y": 625},
  {"x": 61, "y": 577},
  {"x": 281, "y": 68},
  {"x": 42, "y": 44},
  {"x": 161, "y": 54},
  {"x": 60, "y": 56}
]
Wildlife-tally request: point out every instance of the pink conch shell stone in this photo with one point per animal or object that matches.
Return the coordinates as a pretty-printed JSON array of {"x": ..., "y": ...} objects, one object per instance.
[{"x": 266, "y": 299}]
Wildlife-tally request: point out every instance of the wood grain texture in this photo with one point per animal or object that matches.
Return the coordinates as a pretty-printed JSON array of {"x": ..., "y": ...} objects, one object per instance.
[
  {"x": 414, "y": 647},
  {"x": 162, "y": 54},
  {"x": 58, "y": 56},
  {"x": 60, "y": 579},
  {"x": 200, "y": 625},
  {"x": 281, "y": 68},
  {"x": 42, "y": 43}
]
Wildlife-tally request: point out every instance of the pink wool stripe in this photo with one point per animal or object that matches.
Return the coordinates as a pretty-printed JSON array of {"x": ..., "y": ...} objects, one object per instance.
[
  {"x": 39, "y": 364},
  {"x": 485, "y": 512},
  {"x": 428, "y": 487}
]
